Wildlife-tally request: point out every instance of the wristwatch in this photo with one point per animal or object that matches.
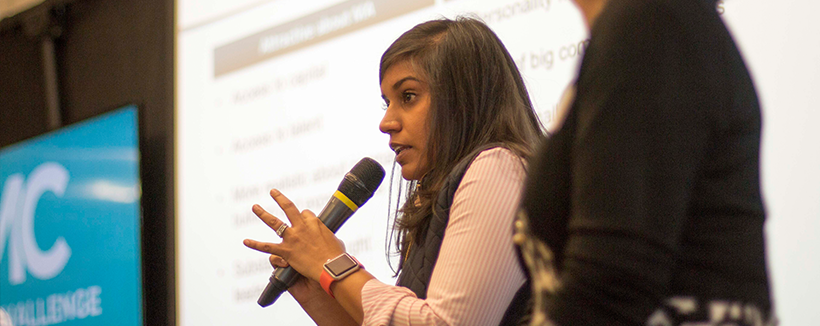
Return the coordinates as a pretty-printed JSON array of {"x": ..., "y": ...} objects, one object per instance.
[{"x": 336, "y": 269}]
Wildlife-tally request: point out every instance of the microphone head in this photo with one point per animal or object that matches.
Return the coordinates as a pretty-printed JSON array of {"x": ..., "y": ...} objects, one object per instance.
[{"x": 362, "y": 181}]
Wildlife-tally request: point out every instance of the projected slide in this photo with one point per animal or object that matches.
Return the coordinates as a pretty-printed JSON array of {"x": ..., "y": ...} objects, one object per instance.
[
  {"x": 284, "y": 94},
  {"x": 293, "y": 102}
]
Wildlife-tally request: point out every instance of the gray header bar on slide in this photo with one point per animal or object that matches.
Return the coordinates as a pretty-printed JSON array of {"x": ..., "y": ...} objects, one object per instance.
[{"x": 317, "y": 27}]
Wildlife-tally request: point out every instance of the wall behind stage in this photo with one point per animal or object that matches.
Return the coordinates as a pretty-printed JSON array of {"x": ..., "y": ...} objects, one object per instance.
[{"x": 108, "y": 53}]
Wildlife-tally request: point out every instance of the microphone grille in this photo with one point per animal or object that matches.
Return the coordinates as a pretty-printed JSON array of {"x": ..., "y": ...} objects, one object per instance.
[
  {"x": 362, "y": 181},
  {"x": 369, "y": 172}
]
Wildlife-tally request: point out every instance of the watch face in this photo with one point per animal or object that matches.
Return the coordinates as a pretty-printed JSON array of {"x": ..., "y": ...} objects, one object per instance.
[{"x": 340, "y": 265}]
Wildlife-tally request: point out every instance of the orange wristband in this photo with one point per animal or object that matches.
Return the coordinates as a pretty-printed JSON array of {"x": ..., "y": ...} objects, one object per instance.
[{"x": 326, "y": 280}]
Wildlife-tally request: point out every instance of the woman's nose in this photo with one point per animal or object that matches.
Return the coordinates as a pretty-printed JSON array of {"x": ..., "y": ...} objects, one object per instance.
[{"x": 389, "y": 123}]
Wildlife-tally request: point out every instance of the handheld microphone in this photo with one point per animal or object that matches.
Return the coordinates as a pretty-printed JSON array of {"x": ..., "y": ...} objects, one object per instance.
[{"x": 356, "y": 188}]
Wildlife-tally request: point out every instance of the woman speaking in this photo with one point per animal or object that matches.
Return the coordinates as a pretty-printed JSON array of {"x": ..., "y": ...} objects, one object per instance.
[{"x": 462, "y": 126}]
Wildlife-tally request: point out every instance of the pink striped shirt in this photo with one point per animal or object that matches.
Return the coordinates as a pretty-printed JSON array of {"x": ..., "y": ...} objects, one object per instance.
[{"x": 477, "y": 271}]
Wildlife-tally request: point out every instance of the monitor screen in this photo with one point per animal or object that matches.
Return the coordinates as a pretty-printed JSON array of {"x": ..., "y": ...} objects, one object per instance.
[{"x": 70, "y": 225}]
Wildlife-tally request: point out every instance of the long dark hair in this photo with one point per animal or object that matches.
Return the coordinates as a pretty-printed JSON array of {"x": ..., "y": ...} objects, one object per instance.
[{"x": 477, "y": 97}]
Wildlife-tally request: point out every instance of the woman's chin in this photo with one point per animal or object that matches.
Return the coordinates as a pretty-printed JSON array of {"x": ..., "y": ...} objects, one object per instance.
[
  {"x": 407, "y": 176},
  {"x": 408, "y": 173}
]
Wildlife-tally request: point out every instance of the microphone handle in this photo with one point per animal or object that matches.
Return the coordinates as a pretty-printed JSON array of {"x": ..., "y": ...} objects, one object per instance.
[{"x": 333, "y": 216}]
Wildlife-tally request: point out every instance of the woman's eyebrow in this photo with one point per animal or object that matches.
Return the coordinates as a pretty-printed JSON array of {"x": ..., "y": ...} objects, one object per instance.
[{"x": 401, "y": 81}]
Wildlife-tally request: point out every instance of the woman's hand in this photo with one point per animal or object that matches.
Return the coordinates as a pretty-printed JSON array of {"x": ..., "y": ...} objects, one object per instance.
[
  {"x": 304, "y": 290},
  {"x": 306, "y": 245},
  {"x": 323, "y": 309}
]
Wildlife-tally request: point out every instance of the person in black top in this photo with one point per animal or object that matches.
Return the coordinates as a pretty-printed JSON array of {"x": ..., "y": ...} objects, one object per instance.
[{"x": 645, "y": 207}]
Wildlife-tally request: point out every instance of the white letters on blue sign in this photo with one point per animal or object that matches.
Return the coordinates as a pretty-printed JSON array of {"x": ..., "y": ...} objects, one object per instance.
[{"x": 17, "y": 224}]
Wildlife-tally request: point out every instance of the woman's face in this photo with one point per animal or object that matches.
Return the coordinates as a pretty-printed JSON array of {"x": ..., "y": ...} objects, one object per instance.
[{"x": 407, "y": 98}]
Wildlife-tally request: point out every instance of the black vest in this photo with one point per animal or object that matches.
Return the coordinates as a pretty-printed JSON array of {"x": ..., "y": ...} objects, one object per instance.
[{"x": 418, "y": 266}]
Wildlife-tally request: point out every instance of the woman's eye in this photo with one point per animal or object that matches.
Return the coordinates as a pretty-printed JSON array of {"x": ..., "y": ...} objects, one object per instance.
[
  {"x": 385, "y": 105},
  {"x": 407, "y": 96}
]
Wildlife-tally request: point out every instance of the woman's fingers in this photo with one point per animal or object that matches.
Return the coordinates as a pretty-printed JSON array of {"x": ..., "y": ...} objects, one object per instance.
[
  {"x": 306, "y": 244},
  {"x": 272, "y": 222},
  {"x": 277, "y": 261},
  {"x": 266, "y": 247},
  {"x": 288, "y": 207},
  {"x": 306, "y": 213}
]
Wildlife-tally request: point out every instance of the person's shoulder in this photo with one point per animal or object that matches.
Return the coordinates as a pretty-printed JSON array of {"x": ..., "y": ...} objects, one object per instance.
[
  {"x": 498, "y": 153},
  {"x": 643, "y": 42},
  {"x": 628, "y": 10},
  {"x": 497, "y": 158},
  {"x": 492, "y": 170},
  {"x": 625, "y": 18}
]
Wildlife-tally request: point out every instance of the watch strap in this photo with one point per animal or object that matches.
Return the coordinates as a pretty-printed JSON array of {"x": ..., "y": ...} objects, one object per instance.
[{"x": 325, "y": 279}]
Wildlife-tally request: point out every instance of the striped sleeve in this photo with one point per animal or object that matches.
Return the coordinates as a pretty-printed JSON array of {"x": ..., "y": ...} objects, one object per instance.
[{"x": 477, "y": 272}]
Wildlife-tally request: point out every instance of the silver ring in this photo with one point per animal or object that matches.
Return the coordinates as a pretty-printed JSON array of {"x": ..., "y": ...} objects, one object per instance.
[{"x": 281, "y": 230}]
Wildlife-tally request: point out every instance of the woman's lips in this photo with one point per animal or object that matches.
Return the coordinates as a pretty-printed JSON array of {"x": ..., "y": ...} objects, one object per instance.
[{"x": 401, "y": 153}]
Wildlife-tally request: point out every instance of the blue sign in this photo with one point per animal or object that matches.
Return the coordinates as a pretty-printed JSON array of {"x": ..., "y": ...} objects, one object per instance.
[{"x": 70, "y": 225}]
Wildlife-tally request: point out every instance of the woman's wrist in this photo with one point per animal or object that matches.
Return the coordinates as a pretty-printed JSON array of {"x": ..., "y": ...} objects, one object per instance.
[
  {"x": 324, "y": 310},
  {"x": 337, "y": 269},
  {"x": 318, "y": 268},
  {"x": 348, "y": 293}
]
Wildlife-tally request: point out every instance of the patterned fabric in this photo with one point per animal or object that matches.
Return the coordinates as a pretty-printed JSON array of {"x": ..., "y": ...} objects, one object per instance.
[
  {"x": 689, "y": 311},
  {"x": 676, "y": 311},
  {"x": 541, "y": 264}
]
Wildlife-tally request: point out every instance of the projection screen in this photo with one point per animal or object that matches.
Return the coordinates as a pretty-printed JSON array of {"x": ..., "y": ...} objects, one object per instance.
[{"x": 285, "y": 94}]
